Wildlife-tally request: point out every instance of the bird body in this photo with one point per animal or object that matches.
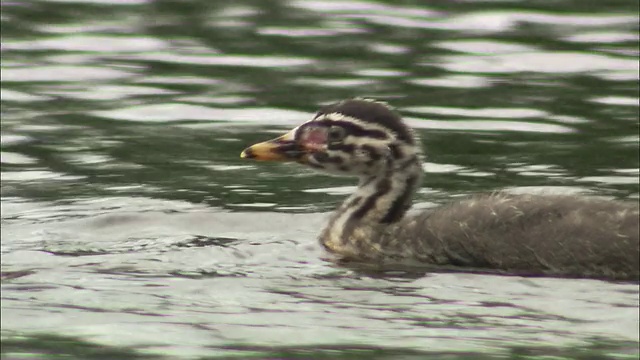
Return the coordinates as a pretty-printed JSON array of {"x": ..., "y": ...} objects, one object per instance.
[
  {"x": 559, "y": 235},
  {"x": 538, "y": 235}
]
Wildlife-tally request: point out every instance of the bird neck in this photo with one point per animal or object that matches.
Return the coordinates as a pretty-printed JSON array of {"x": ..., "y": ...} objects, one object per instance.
[{"x": 380, "y": 201}]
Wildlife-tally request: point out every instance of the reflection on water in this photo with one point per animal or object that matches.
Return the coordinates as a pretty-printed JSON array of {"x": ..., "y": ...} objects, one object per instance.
[{"x": 131, "y": 228}]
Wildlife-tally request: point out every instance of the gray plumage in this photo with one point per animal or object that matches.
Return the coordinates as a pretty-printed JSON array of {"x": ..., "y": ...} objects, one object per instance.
[{"x": 527, "y": 235}]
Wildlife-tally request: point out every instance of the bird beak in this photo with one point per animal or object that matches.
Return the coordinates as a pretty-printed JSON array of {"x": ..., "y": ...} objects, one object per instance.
[{"x": 283, "y": 148}]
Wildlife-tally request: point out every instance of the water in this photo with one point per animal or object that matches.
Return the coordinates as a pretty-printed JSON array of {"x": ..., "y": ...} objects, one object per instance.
[{"x": 131, "y": 228}]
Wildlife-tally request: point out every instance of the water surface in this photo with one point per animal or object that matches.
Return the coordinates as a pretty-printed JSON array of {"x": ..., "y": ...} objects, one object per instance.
[{"x": 131, "y": 228}]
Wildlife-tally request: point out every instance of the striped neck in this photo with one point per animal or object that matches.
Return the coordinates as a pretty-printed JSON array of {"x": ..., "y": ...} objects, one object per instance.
[{"x": 378, "y": 203}]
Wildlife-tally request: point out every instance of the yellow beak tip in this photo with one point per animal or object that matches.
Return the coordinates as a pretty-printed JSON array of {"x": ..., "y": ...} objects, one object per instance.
[
  {"x": 246, "y": 154},
  {"x": 271, "y": 150}
]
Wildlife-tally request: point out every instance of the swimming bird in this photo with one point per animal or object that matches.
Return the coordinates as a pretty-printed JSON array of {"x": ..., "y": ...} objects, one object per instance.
[{"x": 516, "y": 234}]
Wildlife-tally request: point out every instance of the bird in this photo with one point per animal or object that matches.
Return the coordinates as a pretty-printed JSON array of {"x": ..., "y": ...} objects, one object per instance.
[{"x": 537, "y": 235}]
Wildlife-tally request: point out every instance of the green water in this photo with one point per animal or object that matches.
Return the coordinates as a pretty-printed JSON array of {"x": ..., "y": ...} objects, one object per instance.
[{"x": 132, "y": 229}]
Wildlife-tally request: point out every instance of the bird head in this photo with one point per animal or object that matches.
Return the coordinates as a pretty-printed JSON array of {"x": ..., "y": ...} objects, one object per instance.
[{"x": 356, "y": 137}]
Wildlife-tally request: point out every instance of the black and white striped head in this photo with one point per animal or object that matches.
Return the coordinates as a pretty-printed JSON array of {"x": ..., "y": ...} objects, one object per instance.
[{"x": 357, "y": 137}]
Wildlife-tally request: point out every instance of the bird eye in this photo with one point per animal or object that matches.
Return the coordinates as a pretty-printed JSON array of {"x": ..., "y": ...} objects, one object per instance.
[{"x": 335, "y": 134}]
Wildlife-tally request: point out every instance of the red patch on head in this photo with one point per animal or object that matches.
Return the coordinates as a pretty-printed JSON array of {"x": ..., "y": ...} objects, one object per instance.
[{"x": 314, "y": 138}]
